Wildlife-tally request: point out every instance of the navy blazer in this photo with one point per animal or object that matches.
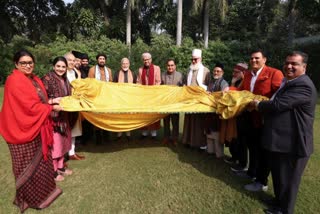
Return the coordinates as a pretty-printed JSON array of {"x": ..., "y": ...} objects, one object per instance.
[{"x": 288, "y": 118}]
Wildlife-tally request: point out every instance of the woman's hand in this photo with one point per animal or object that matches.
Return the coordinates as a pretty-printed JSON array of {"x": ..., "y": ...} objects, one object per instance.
[
  {"x": 54, "y": 101},
  {"x": 56, "y": 107}
]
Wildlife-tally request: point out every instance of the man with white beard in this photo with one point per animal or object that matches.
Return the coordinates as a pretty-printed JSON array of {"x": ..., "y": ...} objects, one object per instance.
[
  {"x": 125, "y": 75},
  {"x": 193, "y": 130}
]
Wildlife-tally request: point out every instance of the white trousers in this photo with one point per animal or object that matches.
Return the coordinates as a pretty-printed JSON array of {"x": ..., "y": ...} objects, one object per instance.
[{"x": 214, "y": 146}]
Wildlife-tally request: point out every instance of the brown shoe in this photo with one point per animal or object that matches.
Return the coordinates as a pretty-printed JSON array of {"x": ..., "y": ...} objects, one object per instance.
[
  {"x": 80, "y": 156},
  {"x": 74, "y": 157},
  {"x": 165, "y": 142}
]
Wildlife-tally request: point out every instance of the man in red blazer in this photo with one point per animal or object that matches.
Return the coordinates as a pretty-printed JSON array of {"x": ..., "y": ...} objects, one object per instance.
[{"x": 260, "y": 80}]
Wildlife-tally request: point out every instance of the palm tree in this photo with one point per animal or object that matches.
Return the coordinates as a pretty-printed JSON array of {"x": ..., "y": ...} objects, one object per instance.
[
  {"x": 204, "y": 6},
  {"x": 128, "y": 24},
  {"x": 179, "y": 22}
]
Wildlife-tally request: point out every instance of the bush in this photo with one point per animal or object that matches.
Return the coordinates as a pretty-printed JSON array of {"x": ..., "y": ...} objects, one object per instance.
[{"x": 162, "y": 47}]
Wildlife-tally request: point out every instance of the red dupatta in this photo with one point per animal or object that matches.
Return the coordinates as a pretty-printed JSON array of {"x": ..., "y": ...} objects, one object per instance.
[
  {"x": 150, "y": 76},
  {"x": 23, "y": 114}
]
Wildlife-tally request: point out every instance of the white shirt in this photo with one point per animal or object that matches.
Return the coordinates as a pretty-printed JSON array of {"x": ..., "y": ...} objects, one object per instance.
[
  {"x": 254, "y": 78},
  {"x": 71, "y": 75}
]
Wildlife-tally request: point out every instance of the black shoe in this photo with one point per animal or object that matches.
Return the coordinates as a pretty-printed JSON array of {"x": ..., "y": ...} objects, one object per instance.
[
  {"x": 271, "y": 203},
  {"x": 142, "y": 137},
  {"x": 273, "y": 211}
]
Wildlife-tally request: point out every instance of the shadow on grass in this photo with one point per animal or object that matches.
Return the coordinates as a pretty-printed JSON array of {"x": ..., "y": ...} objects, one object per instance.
[{"x": 204, "y": 163}]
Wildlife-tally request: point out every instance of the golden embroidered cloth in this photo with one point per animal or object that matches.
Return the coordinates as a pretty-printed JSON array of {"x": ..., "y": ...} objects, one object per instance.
[{"x": 122, "y": 107}]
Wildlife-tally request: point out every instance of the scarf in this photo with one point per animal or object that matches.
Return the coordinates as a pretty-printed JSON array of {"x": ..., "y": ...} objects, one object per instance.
[
  {"x": 199, "y": 77},
  {"x": 121, "y": 77},
  {"x": 25, "y": 113},
  {"x": 148, "y": 74},
  {"x": 98, "y": 74},
  {"x": 57, "y": 86}
]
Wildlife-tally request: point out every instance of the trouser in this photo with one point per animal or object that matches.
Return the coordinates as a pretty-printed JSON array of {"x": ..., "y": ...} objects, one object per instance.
[
  {"x": 213, "y": 144},
  {"x": 258, "y": 165},
  {"x": 153, "y": 133},
  {"x": 87, "y": 131},
  {"x": 286, "y": 171},
  {"x": 128, "y": 134},
  {"x": 100, "y": 134},
  {"x": 174, "y": 119}
]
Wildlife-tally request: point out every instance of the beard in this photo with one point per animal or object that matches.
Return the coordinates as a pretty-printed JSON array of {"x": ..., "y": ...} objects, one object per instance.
[
  {"x": 194, "y": 67},
  {"x": 101, "y": 65}
]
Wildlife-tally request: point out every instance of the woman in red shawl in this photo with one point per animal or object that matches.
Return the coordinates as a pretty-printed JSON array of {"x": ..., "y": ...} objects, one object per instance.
[
  {"x": 25, "y": 124},
  {"x": 57, "y": 85}
]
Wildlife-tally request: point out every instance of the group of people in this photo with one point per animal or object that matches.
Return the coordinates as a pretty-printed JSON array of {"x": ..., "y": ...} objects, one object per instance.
[{"x": 274, "y": 136}]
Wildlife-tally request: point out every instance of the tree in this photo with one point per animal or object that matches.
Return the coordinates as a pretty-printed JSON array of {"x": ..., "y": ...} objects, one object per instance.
[{"x": 179, "y": 23}]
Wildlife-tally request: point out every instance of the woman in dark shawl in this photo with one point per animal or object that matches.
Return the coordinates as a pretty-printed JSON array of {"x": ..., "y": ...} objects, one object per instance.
[{"x": 57, "y": 85}]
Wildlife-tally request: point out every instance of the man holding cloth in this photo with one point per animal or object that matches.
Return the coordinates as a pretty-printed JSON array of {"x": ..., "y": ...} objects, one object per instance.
[{"x": 288, "y": 132}]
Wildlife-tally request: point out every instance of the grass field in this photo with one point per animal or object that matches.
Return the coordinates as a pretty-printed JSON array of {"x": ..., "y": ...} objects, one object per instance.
[{"x": 147, "y": 177}]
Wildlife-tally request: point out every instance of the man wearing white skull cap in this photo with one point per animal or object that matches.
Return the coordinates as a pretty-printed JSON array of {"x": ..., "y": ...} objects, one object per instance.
[{"x": 193, "y": 130}]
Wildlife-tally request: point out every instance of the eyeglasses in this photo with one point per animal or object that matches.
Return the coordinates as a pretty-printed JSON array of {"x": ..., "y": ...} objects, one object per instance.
[
  {"x": 194, "y": 59},
  {"x": 146, "y": 59},
  {"x": 24, "y": 64}
]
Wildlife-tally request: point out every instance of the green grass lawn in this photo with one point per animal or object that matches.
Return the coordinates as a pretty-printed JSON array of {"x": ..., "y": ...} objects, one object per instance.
[{"x": 147, "y": 177}]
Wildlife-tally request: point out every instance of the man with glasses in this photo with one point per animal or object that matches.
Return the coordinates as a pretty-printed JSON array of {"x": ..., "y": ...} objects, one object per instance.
[
  {"x": 193, "y": 130},
  {"x": 288, "y": 131},
  {"x": 171, "y": 77},
  {"x": 149, "y": 74}
]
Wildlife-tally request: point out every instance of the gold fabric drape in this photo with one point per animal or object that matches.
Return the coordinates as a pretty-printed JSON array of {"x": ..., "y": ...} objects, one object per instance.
[{"x": 123, "y": 107}]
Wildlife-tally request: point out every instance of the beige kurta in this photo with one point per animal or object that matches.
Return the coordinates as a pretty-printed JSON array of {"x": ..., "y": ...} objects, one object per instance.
[{"x": 193, "y": 129}]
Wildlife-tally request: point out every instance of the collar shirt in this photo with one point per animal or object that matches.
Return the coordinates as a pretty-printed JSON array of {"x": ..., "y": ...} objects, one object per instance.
[
  {"x": 71, "y": 75},
  {"x": 254, "y": 78}
]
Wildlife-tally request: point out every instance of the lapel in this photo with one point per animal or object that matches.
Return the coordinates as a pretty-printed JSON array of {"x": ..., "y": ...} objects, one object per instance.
[{"x": 263, "y": 75}]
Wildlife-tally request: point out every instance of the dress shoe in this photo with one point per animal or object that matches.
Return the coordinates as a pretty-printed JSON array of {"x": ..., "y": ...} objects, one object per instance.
[
  {"x": 239, "y": 169},
  {"x": 256, "y": 187},
  {"x": 75, "y": 157},
  {"x": 80, "y": 156},
  {"x": 175, "y": 143},
  {"x": 273, "y": 211},
  {"x": 165, "y": 141}
]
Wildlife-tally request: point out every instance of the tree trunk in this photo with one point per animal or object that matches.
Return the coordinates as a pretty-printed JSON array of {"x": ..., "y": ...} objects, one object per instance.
[
  {"x": 105, "y": 14},
  {"x": 206, "y": 23},
  {"x": 291, "y": 22},
  {"x": 128, "y": 23},
  {"x": 179, "y": 22}
]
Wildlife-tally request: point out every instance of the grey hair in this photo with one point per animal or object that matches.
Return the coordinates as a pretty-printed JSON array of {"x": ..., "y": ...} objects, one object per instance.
[
  {"x": 146, "y": 55},
  {"x": 125, "y": 58}
]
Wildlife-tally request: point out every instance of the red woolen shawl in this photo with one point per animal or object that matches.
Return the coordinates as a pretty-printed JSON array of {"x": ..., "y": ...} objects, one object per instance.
[
  {"x": 23, "y": 115},
  {"x": 150, "y": 77}
]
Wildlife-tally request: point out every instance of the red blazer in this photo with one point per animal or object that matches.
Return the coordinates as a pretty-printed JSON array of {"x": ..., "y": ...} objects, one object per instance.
[{"x": 267, "y": 83}]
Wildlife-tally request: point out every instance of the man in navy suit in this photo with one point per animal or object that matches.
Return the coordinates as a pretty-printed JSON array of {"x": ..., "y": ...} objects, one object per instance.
[{"x": 288, "y": 130}]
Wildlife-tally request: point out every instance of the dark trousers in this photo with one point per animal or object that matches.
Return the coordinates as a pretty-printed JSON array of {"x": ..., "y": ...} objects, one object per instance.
[
  {"x": 174, "y": 119},
  {"x": 258, "y": 160},
  {"x": 239, "y": 151},
  {"x": 87, "y": 131},
  {"x": 286, "y": 171}
]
